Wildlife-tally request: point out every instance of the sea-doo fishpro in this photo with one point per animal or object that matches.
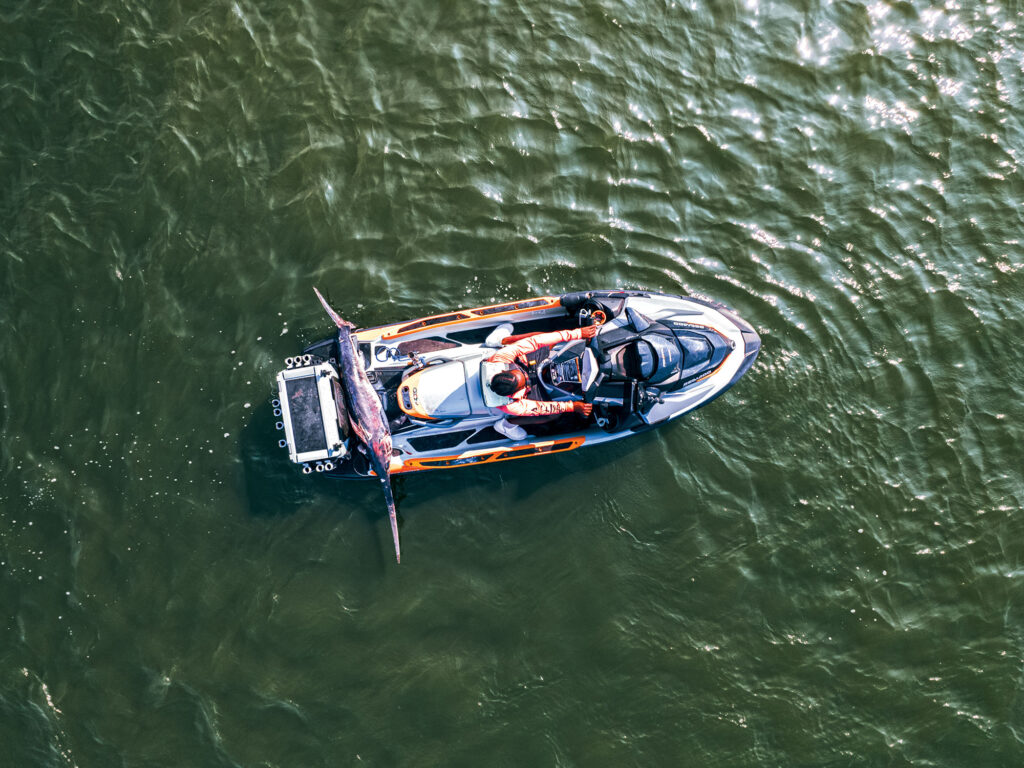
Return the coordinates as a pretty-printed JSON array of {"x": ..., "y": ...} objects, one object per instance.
[{"x": 655, "y": 357}]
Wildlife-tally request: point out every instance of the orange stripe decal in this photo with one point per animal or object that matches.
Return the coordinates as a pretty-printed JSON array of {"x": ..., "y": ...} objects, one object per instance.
[{"x": 489, "y": 455}]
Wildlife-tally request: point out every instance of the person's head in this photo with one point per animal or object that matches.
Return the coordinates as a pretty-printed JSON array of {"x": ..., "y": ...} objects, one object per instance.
[{"x": 507, "y": 383}]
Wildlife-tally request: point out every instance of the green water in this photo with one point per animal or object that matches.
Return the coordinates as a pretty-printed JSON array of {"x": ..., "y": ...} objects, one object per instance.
[{"x": 824, "y": 567}]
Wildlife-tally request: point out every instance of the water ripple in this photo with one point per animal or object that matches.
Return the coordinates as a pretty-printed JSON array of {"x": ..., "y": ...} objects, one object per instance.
[{"x": 820, "y": 567}]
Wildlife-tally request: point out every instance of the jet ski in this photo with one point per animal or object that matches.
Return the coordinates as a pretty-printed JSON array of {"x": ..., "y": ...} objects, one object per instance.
[{"x": 655, "y": 357}]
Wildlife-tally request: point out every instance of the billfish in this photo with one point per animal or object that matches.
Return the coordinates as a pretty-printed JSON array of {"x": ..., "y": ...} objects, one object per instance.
[{"x": 366, "y": 412}]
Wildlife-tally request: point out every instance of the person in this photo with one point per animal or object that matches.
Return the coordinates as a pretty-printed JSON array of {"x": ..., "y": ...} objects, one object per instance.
[{"x": 514, "y": 382}]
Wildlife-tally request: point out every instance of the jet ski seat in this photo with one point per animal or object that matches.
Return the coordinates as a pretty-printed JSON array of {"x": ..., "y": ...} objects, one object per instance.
[
  {"x": 452, "y": 389},
  {"x": 446, "y": 389}
]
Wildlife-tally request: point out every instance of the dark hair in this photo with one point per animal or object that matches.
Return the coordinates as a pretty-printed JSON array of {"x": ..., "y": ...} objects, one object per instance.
[{"x": 505, "y": 383}]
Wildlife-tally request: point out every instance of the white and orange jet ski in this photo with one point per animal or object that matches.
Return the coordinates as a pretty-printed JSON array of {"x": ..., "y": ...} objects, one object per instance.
[{"x": 655, "y": 357}]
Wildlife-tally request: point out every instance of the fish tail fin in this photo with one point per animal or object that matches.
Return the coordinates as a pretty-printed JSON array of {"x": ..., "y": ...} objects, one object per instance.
[
  {"x": 334, "y": 315},
  {"x": 390, "y": 499}
]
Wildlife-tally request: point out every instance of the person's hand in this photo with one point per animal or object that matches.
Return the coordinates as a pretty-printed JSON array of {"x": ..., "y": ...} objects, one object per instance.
[
  {"x": 589, "y": 332},
  {"x": 582, "y": 409}
]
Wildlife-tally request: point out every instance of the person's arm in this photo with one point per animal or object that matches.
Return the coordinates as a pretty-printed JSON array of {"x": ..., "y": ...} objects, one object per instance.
[
  {"x": 546, "y": 408},
  {"x": 534, "y": 342},
  {"x": 536, "y": 408}
]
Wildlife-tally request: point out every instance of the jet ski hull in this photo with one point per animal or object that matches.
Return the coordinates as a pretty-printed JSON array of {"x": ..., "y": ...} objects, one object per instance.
[{"x": 657, "y": 356}]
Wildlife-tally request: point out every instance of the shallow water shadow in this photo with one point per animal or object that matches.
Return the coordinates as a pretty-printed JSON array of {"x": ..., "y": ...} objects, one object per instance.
[{"x": 273, "y": 485}]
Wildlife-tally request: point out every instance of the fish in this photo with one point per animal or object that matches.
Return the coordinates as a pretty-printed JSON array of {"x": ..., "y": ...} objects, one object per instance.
[{"x": 366, "y": 412}]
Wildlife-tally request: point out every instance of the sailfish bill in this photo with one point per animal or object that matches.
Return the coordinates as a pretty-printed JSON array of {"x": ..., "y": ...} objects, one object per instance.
[{"x": 366, "y": 412}]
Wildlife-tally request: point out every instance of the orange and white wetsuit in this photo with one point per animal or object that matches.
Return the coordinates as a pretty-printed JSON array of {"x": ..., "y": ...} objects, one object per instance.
[{"x": 515, "y": 354}]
